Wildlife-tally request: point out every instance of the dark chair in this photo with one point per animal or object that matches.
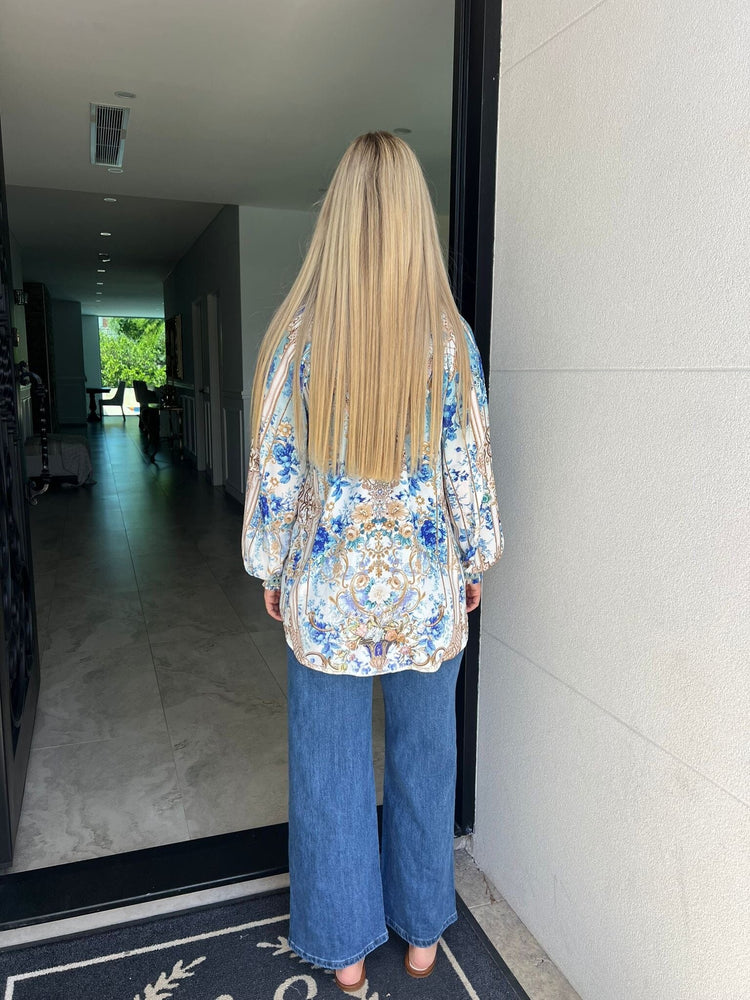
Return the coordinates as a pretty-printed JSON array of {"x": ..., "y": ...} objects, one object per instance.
[
  {"x": 145, "y": 397},
  {"x": 115, "y": 400}
]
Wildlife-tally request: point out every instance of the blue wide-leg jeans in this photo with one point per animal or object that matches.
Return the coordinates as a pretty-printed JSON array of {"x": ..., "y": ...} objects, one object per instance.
[{"x": 344, "y": 894}]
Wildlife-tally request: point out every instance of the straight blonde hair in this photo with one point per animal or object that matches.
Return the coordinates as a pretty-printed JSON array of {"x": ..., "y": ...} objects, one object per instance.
[{"x": 378, "y": 310}]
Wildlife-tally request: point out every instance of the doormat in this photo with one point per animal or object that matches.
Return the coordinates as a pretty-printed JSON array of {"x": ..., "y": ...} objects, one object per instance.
[{"x": 240, "y": 951}]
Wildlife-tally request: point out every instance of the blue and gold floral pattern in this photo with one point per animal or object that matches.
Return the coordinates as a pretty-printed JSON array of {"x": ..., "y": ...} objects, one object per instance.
[{"x": 372, "y": 575}]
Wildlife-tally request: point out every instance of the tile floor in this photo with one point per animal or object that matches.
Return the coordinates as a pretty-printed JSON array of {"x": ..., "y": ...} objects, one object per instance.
[
  {"x": 162, "y": 708},
  {"x": 162, "y": 713}
]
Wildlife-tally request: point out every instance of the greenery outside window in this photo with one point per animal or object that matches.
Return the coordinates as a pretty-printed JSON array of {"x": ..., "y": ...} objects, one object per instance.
[{"x": 132, "y": 348}]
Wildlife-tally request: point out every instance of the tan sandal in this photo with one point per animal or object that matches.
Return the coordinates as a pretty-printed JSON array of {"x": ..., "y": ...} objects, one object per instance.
[
  {"x": 414, "y": 971},
  {"x": 352, "y": 987}
]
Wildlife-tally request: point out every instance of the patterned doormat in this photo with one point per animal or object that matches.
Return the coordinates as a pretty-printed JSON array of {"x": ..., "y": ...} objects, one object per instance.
[{"x": 239, "y": 951}]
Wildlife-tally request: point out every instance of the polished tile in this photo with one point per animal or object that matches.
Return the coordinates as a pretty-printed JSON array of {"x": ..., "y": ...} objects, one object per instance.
[
  {"x": 80, "y": 606},
  {"x": 95, "y": 637},
  {"x": 95, "y": 697},
  {"x": 95, "y": 569},
  {"x": 95, "y": 544},
  {"x": 87, "y": 800},
  {"x": 230, "y": 573},
  {"x": 225, "y": 544},
  {"x": 111, "y": 578},
  {"x": 227, "y": 722},
  {"x": 169, "y": 567},
  {"x": 271, "y": 644},
  {"x": 189, "y": 609},
  {"x": 246, "y": 597},
  {"x": 149, "y": 538},
  {"x": 221, "y": 663},
  {"x": 151, "y": 629}
]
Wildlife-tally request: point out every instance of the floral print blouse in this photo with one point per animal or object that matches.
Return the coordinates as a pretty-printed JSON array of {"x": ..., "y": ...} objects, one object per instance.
[{"x": 372, "y": 575}]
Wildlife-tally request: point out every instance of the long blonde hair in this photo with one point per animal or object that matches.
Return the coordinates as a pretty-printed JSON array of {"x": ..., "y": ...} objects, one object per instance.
[{"x": 377, "y": 311}]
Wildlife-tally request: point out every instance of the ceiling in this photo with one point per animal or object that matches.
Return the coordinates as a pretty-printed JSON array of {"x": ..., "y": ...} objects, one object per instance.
[{"x": 248, "y": 103}]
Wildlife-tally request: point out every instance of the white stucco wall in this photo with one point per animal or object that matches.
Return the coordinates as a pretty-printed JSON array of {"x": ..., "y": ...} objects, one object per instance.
[{"x": 614, "y": 760}]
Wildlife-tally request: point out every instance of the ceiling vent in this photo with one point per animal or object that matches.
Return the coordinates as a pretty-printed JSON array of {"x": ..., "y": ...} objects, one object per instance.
[{"x": 108, "y": 132}]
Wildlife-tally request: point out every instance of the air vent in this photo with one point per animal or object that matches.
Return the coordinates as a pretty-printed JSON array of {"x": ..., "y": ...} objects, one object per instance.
[{"x": 108, "y": 132}]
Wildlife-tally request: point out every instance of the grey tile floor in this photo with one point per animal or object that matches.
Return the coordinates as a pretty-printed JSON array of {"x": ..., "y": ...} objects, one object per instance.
[{"x": 162, "y": 711}]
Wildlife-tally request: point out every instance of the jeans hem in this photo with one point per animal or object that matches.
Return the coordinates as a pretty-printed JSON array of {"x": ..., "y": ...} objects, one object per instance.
[
  {"x": 421, "y": 942},
  {"x": 325, "y": 963}
]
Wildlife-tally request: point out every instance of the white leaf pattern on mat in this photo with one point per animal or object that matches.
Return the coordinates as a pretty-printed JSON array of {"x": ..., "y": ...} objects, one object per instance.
[
  {"x": 165, "y": 984},
  {"x": 310, "y": 992},
  {"x": 281, "y": 947}
]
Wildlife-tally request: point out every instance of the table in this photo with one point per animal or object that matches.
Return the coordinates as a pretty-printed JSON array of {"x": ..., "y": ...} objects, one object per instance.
[
  {"x": 151, "y": 417},
  {"x": 93, "y": 416},
  {"x": 174, "y": 410}
]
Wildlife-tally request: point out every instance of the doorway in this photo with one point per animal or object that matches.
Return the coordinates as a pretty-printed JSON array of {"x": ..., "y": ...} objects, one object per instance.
[{"x": 245, "y": 854}]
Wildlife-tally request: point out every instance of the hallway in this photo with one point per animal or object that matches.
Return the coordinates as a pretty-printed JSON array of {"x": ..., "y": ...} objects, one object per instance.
[{"x": 162, "y": 714}]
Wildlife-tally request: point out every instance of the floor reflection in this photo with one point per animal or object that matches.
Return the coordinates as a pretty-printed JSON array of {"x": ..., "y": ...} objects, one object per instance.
[{"x": 162, "y": 713}]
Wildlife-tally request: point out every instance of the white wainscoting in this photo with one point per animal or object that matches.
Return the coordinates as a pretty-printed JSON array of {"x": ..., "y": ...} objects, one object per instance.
[
  {"x": 235, "y": 413},
  {"x": 25, "y": 415},
  {"x": 186, "y": 398},
  {"x": 205, "y": 403}
]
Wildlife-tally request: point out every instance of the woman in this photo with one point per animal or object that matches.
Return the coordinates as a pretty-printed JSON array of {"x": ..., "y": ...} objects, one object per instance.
[{"x": 370, "y": 514}]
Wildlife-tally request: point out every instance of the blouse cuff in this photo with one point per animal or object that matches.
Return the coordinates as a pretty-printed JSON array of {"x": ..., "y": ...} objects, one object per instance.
[
  {"x": 272, "y": 582},
  {"x": 470, "y": 577}
]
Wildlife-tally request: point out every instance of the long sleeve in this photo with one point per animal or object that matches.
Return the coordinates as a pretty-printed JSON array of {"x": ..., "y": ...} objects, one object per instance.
[
  {"x": 467, "y": 473},
  {"x": 275, "y": 475}
]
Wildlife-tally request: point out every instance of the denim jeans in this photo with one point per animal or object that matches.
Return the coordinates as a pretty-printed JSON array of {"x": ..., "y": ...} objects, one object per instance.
[{"x": 343, "y": 895}]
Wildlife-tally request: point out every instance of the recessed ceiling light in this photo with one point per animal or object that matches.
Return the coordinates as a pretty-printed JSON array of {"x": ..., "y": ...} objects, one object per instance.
[
  {"x": 110, "y": 199},
  {"x": 98, "y": 293},
  {"x": 114, "y": 170},
  {"x": 100, "y": 282},
  {"x": 124, "y": 93},
  {"x": 402, "y": 131},
  {"x": 101, "y": 270},
  {"x": 106, "y": 260},
  {"x": 105, "y": 234}
]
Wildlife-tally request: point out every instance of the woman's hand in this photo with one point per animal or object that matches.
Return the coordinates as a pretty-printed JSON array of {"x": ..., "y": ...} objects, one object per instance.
[
  {"x": 473, "y": 595},
  {"x": 272, "y": 599}
]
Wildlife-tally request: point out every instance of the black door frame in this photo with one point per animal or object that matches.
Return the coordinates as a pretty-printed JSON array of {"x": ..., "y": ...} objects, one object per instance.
[
  {"x": 476, "y": 77},
  {"x": 137, "y": 876}
]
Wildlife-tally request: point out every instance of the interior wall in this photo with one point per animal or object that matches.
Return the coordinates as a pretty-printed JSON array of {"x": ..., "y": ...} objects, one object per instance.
[
  {"x": 210, "y": 266},
  {"x": 70, "y": 381},
  {"x": 273, "y": 243},
  {"x": 613, "y": 782},
  {"x": 249, "y": 256},
  {"x": 92, "y": 358}
]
